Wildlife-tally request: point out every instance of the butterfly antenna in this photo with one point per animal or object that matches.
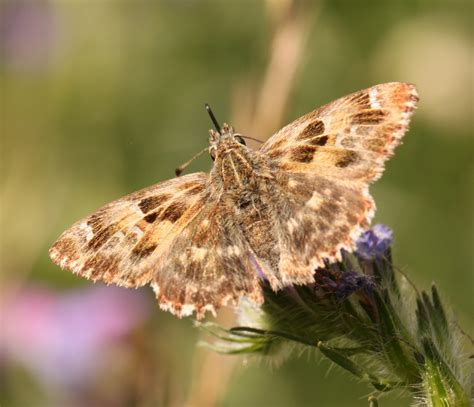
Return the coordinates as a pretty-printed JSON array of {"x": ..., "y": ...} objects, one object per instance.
[
  {"x": 253, "y": 139},
  {"x": 181, "y": 168},
  {"x": 213, "y": 118}
]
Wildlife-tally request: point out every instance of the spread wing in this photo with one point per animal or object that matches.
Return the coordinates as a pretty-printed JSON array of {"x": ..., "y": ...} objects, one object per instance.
[
  {"x": 171, "y": 235},
  {"x": 328, "y": 158},
  {"x": 121, "y": 241},
  {"x": 348, "y": 139}
]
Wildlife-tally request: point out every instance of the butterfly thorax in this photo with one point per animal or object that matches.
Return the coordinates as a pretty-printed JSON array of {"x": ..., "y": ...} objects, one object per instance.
[
  {"x": 242, "y": 180},
  {"x": 236, "y": 167}
]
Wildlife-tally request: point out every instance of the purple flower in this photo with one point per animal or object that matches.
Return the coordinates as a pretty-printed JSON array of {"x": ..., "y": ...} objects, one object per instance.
[
  {"x": 374, "y": 242},
  {"x": 64, "y": 338},
  {"x": 351, "y": 282},
  {"x": 27, "y": 34},
  {"x": 341, "y": 283}
]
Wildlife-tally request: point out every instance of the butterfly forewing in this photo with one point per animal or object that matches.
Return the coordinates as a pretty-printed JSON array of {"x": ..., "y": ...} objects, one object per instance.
[
  {"x": 121, "y": 241},
  {"x": 350, "y": 138},
  {"x": 329, "y": 157}
]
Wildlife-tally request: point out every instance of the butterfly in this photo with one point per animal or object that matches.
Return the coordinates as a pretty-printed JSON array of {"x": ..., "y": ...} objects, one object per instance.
[{"x": 276, "y": 214}]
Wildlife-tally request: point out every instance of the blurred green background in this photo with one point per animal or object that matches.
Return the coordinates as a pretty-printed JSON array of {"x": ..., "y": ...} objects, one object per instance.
[{"x": 103, "y": 97}]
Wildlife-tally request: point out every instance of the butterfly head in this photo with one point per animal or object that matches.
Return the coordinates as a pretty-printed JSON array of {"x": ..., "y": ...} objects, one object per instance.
[{"x": 224, "y": 140}]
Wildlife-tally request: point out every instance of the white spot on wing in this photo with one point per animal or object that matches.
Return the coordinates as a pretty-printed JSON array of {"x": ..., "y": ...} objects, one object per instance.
[
  {"x": 198, "y": 253},
  {"x": 233, "y": 250},
  {"x": 374, "y": 103},
  {"x": 87, "y": 229}
]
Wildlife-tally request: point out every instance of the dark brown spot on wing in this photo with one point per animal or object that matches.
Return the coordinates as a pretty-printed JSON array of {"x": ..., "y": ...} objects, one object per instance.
[
  {"x": 173, "y": 212},
  {"x": 186, "y": 185},
  {"x": 303, "y": 154},
  {"x": 96, "y": 221},
  {"x": 151, "y": 217},
  {"x": 142, "y": 250},
  {"x": 374, "y": 116},
  {"x": 313, "y": 129},
  {"x": 101, "y": 237},
  {"x": 191, "y": 188},
  {"x": 152, "y": 202},
  {"x": 329, "y": 209},
  {"x": 319, "y": 141},
  {"x": 99, "y": 264},
  {"x": 347, "y": 158},
  {"x": 361, "y": 99},
  {"x": 273, "y": 154},
  {"x": 65, "y": 247},
  {"x": 196, "y": 189}
]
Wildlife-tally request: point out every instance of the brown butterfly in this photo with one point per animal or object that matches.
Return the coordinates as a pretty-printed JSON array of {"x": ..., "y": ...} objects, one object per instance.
[{"x": 204, "y": 240}]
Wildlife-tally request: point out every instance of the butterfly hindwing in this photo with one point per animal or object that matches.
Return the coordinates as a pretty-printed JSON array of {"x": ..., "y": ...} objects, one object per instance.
[
  {"x": 315, "y": 223},
  {"x": 207, "y": 266}
]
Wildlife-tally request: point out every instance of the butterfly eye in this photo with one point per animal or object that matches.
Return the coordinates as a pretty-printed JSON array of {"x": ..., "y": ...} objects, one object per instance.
[
  {"x": 240, "y": 140},
  {"x": 212, "y": 153}
]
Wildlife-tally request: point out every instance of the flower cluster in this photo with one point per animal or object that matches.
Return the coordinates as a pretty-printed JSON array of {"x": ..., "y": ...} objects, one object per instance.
[{"x": 360, "y": 315}]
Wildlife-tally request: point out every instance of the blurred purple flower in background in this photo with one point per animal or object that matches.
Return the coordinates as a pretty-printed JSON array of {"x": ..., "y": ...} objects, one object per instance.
[
  {"x": 27, "y": 34},
  {"x": 375, "y": 242},
  {"x": 63, "y": 338}
]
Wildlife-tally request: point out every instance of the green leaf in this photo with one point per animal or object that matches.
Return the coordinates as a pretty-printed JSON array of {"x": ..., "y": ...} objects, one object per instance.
[
  {"x": 422, "y": 318},
  {"x": 442, "y": 387},
  {"x": 403, "y": 365},
  {"x": 441, "y": 331},
  {"x": 441, "y": 319}
]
